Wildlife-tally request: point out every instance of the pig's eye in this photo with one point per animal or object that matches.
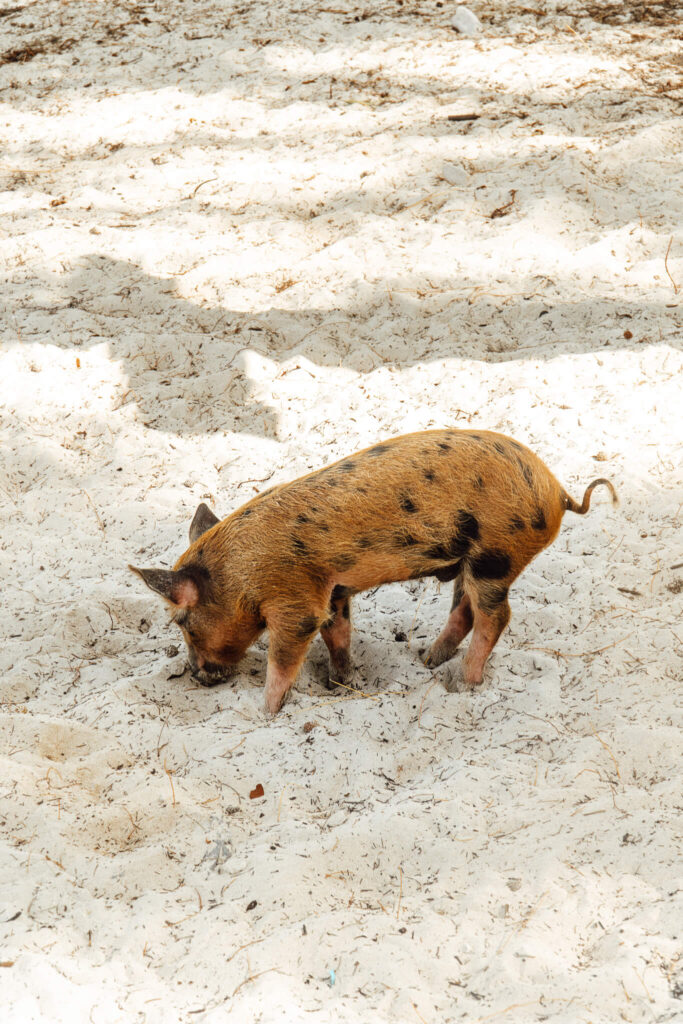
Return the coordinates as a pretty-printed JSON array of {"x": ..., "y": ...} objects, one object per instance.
[{"x": 182, "y": 621}]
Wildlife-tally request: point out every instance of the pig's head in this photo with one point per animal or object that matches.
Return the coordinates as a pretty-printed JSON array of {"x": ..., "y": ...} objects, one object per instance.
[{"x": 217, "y": 623}]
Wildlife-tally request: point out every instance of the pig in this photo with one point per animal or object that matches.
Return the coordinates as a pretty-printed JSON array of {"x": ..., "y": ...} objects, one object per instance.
[{"x": 469, "y": 506}]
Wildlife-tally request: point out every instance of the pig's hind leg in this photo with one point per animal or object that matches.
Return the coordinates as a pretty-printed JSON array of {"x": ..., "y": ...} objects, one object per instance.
[
  {"x": 336, "y": 632},
  {"x": 491, "y": 616},
  {"x": 456, "y": 629}
]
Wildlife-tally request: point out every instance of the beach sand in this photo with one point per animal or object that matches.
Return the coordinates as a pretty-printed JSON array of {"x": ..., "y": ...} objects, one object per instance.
[{"x": 239, "y": 242}]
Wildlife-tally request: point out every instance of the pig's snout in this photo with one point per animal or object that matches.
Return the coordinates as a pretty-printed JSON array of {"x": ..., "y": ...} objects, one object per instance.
[
  {"x": 212, "y": 675},
  {"x": 206, "y": 672}
]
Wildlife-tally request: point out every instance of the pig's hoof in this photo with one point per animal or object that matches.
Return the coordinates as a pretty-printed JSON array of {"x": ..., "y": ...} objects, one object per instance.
[
  {"x": 339, "y": 672},
  {"x": 335, "y": 680},
  {"x": 273, "y": 701},
  {"x": 455, "y": 680},
  {"x": 438, "y": 654},
  {"x": 272, "y": 706}
]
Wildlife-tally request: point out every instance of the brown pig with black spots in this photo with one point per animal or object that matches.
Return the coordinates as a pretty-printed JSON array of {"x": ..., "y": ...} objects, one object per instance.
[{"x": 474, "y": 507}]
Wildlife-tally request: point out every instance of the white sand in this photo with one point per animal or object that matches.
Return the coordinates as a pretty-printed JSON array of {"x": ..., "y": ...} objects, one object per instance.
[{"x": 238, "y": 242}]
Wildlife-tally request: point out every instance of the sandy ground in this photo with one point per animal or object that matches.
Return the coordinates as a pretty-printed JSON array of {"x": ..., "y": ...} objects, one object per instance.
[{"x": 238, "y": 242}]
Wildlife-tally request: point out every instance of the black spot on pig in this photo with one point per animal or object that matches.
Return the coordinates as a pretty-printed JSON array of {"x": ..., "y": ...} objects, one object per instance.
[
  {"x": 302, "y": 518},
  {"x": 299, "y": 546},
  {"x": 467, "y": 525},
  {"x": 379, "y": 449},
  {"x": 407, "y": 503},
  {"x": 406, "y": 540},
  {"x": 343, "y": 562},
  {"x": 454, "y": 548},
  {"x": 466, "y": 530},
  {"x": 307, "y": 626},
  {"x": 448, "y": 572},
  {"x": 538, "y": 522},
  {"x": 478, "y": 483},
  {"x": 516, "y": 524},
  {"x": 429, "y": 475},
  {"x": 490, "y": 564}
]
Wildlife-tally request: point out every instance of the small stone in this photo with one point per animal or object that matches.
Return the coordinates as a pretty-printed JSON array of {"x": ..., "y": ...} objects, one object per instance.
[{"x": 465, "y": 22}]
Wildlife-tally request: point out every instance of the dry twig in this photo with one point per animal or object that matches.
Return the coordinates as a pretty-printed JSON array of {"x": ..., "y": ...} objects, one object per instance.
[
  {"x": 666, "y": 266},
  {"x": 100, "y": 523},
  {"x": 170, "y": 779},
  {"x": 253, "y": 977},
  {"x": 600, "y": 740}
]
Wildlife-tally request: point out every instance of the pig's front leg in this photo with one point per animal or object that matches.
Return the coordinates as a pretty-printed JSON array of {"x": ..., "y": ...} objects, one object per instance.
[
  {"x": 290, "y": 636},
  {"x": 279, "y": 681}
]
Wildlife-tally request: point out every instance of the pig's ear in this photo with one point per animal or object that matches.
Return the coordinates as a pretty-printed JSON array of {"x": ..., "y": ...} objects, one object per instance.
[
  {"x": 177, "y": 587},
  {"x": 203, "y": 520}
]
